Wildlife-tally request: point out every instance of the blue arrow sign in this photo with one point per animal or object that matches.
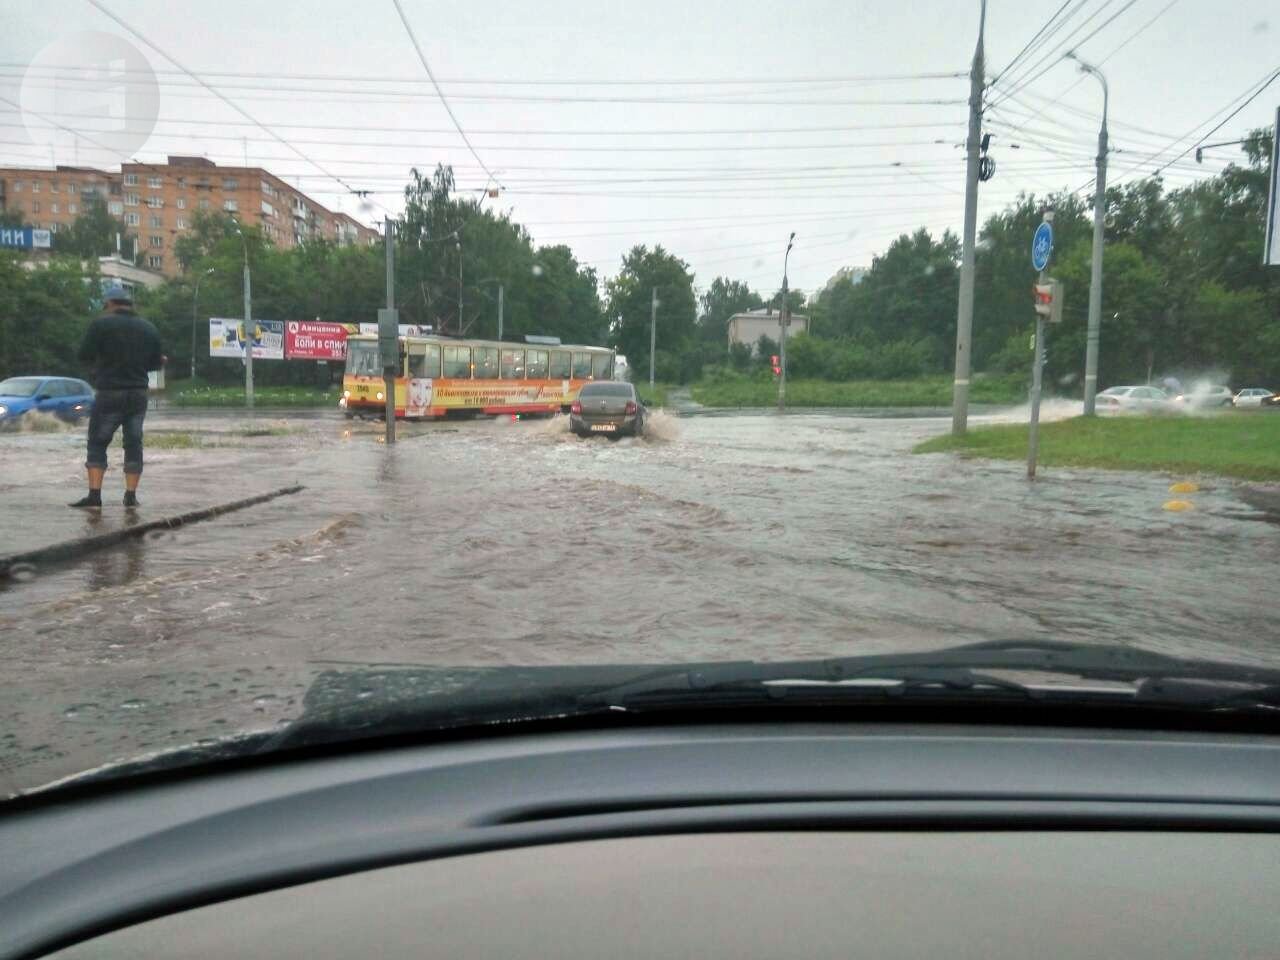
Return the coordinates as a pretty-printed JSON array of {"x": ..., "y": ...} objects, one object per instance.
[{"x": 1042, "y": 245}]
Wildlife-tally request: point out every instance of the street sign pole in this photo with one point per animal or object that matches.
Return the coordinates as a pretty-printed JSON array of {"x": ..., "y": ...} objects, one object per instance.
[
  {"x": 1037, "y": 372},
  {"x": 653, "y": 333},
  {"x": 1041, "y": 250}
]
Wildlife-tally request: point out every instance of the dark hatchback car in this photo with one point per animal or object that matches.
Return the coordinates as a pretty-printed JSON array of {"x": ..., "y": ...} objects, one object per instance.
[{"x": 612, "y": 408}]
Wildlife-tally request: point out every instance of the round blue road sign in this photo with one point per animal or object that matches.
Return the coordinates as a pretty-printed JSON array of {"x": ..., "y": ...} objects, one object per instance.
[{"x": 1042, "y": 245}]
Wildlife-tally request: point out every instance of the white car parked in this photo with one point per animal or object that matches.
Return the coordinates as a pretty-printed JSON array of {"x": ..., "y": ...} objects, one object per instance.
[
  {"x": 1251, "y": 397},
  {"x": 1133, "y": 400}
]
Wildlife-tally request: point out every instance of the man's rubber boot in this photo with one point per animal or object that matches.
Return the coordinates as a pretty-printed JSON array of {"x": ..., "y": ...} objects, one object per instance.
[
  {"x": 130, "y": 498},
  {"x": 92, "y": 499}
]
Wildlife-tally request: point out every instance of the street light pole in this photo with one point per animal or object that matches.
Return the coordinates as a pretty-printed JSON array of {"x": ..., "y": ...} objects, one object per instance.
[
  {"x": 1099, "y": 239},
  {"x": 195, "y": 300},
  {"x": 782, "y": 325},
  {"x": 459, "y": 246},
  {"x": 653, "y": 333},
  {"x": 248, "y": 324},
  {"x": 968, "y": 254}
]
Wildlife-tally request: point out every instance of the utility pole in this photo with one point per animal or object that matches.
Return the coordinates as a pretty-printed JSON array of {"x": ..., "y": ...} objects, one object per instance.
[
  {"x": 248, "y": 323},
  {"x": 389, "y": 333},
  {"x": 653, "y": 333},
  {"x": 964, "y": 313},
  {"x": 499, "y": 312},
  {"x": 195, "y": 300},
  {"x": 459, "y": 246},
  {"x": 1099, "y": 238},
  {"x": 1037, "y": 377},
  {"x": 782, "y": 326}
]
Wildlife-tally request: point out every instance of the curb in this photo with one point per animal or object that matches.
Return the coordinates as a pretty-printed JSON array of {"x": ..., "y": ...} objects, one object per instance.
[{"x": 74, "y": 549}]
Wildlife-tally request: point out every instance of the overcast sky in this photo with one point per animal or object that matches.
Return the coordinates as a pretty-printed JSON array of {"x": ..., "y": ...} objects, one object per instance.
[{"x": 821, "y": 117}]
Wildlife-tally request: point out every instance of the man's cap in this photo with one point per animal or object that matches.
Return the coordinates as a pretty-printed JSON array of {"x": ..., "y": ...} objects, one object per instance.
[{"x": 117, "y": 293}]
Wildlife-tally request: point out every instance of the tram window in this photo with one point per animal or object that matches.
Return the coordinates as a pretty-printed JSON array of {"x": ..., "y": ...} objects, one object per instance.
[
  {"x": 559, "y": 365},
  {"x": 600, "y": 365},
  {"x": 424, "y": 361},
  {"x": 457, "y": 362},
  {"x": 581, "y": 366},
  {"x": 512, "y": 364},
  {"x": 485, "y": 363},
  {"x": 537, "y": 366}
]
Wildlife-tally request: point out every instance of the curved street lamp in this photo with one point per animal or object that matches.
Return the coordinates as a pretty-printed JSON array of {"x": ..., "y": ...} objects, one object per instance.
[{"x": 782, "y": 326}]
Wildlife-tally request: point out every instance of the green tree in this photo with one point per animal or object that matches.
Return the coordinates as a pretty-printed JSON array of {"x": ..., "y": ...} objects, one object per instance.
[
  {"x": 629, "y": 296},
  {"x": 93, "y": 233}
]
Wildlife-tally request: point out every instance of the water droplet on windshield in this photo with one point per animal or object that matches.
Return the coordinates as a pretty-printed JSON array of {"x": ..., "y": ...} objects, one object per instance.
[
  {"x": 23, "y": 572},
  {"x": 364, "y": 694},
  {"x": 133, "y": 705},
  {"x": 263, "y": 700}
]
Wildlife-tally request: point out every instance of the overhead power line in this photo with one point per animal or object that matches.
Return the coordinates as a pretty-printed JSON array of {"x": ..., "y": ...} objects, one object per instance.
[
  {"x": 60, "y": 71},
  {"x": 232, "y": 104},
  {"x": 443, "y": 100}
]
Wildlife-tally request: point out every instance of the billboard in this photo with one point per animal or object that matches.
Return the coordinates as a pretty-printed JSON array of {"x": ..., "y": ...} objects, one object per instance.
[
  {"x": 226, "y": 338},
  {"x": 406, "y": 330},
  {"x": 313, "y": 340},
  {"x": 25, "y": 238}
]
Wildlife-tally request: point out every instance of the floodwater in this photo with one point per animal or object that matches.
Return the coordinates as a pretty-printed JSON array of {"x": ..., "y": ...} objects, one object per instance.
[{"x": 743, "y": 535}]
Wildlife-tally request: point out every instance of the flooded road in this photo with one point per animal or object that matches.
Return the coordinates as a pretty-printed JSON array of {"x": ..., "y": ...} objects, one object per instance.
[{"x": 485, "y": 542}]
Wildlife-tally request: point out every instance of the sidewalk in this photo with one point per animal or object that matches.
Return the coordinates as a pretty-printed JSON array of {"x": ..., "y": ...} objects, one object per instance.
[{"x": 41, "y": 473}]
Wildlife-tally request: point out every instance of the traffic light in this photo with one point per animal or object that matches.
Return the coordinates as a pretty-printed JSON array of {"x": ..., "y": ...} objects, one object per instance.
[
  {"x": 773, "y": 362},
  {"x": 1048, "y": 299}
]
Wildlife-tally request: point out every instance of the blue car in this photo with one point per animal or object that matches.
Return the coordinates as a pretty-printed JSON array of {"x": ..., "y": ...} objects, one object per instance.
[{"x": 63, "y": 397}]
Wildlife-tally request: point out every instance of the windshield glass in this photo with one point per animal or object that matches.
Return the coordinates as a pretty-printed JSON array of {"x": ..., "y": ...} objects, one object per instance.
[
  {"x": 863, "y": 291},
  {"x": 19, "y": 387},
  {"x": 607, "y": 390},
  {"x": 363, "y": 359}
]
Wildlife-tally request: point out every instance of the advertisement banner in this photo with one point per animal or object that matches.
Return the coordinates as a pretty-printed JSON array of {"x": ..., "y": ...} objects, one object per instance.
[
  {"x": 226, "y": 338},
  {"x": 314, "y": 340},
  {"x": 406, "y": 330}
]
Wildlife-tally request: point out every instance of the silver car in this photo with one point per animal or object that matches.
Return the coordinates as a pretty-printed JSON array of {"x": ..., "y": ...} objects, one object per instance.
[
  {"x": 1133, "y": 400},
  {"x": 610, "y": 408}
]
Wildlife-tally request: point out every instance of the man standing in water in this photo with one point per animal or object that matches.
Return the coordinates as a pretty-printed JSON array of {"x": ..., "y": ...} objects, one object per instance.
[{"x": 122, "y": 348}]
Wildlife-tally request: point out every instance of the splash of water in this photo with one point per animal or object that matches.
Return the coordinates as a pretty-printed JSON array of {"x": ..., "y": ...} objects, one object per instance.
[
  {"x": 1052, "y": 409},
  {"x": 661, "y": 427},
  {"x": 38, "y": 421}
]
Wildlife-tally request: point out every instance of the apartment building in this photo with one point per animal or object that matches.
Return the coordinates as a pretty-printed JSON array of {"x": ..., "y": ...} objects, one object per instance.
[
  {"x": 51, "y": 199},
  {"x": 158, "y": 201}
]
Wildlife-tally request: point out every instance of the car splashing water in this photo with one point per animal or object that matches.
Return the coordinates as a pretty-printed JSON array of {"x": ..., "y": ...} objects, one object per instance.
[{"x": 740, "y": 536}]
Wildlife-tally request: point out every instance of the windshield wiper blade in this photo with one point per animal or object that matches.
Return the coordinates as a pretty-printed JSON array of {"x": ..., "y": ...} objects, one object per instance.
[{"x": 954, "y": 670}]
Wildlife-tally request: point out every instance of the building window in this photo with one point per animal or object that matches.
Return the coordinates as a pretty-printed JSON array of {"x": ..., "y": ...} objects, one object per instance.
[
  {"x": 230, "y": 183},
  {"x": 131, "y": 219},
  {"x": 155, "y": 262},
  {"x": 130, "y": 179},
  {"x": 157, "y": 221},
  {"x": 115, "y": 207},
  {"x": 53, "y": 207},
  {"x": 230, "y": 206},
  {"x": 53, "y": 227},
  {"x": 17, "y": 186},
  {"x": 35, "y": 206},
  {"x": 268, "y": 189},
  {"x": 35, "y": 186},
  {"x": 54, "y": 186},
  {"x": 155, "y": 202},
  {"x": 156, "y": 241},
  {"x": 154, "y": 183},
  {"x": 73, "y": 187},
  {"x": 182, "y": 181},
  {"x": 268, "y": 209},
  {"x": 181, "y": 202},
  {"x": 204, "y": 203},
  {"x": 181, "y": 223},
  {"x": 72, "y": 209},
  {"x": 131, "y": 200}
]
